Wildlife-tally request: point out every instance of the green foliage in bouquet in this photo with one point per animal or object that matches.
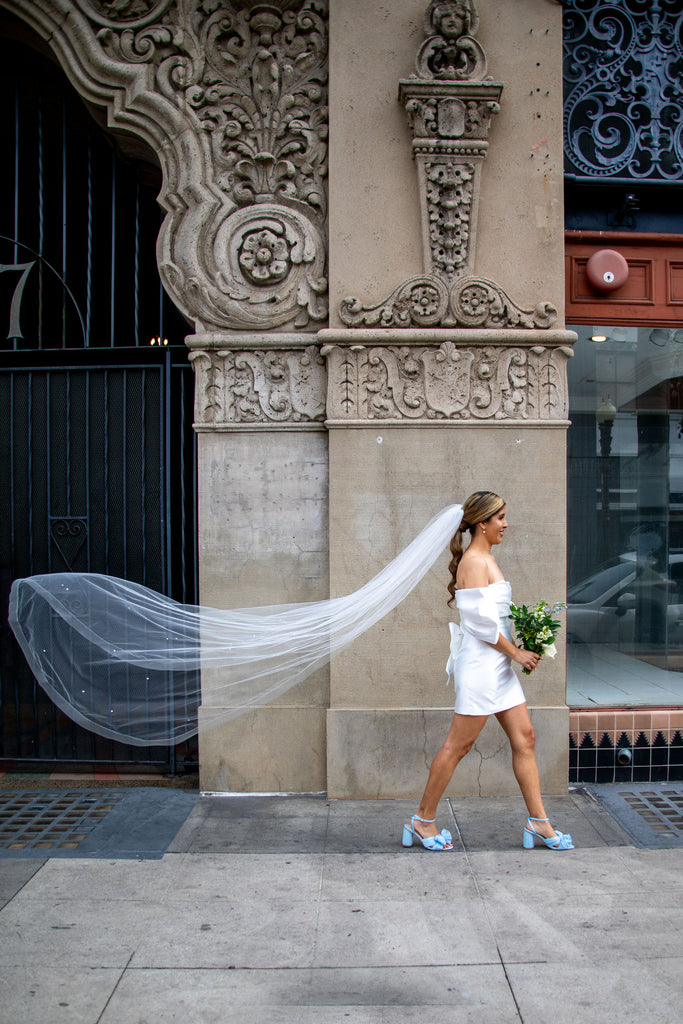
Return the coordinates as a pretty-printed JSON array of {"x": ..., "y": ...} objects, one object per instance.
[{"x": 536, "y": 629}]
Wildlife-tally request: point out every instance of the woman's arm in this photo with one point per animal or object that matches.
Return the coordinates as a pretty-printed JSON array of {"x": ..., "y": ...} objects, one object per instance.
[
  {"x": 527, "y": 659},
  {"x": 475, "y": 573}
]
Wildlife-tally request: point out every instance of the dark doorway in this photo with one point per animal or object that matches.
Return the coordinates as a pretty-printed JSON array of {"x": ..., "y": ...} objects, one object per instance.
[{"x": 96, "y": 392}]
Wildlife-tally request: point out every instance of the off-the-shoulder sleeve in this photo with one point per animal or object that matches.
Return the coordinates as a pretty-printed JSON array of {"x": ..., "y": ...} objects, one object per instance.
[{"x": 479, "y": 614}]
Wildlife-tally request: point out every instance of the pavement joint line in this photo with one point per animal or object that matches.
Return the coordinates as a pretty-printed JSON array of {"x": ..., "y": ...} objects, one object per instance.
[
  {"x": 294, "y": 968},
  {"x": 113, "y": 991},
  {"x": 366, "y": 967},
  {"x": 486, "y": 913}
]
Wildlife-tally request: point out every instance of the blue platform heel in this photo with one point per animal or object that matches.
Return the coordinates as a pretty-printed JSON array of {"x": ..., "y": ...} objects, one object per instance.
[
  {"x": 560, "y": 841},
  {"x": 444, "y": 841}
]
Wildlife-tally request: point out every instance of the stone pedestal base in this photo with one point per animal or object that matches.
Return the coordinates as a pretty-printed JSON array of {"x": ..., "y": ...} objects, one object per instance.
[
  {"x": 269, "y": 750},
  {"x": 385, "y": 753}
]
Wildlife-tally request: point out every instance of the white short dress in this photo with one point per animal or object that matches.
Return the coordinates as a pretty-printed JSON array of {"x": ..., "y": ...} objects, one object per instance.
[{"x": 483, "y": 678}]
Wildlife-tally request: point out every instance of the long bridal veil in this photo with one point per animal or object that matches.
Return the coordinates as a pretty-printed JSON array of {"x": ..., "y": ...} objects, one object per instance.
[{"x": 127, "y": 662}]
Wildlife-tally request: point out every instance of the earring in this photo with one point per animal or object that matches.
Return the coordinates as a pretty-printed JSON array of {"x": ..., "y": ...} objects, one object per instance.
[{"x": 483, "y": 529}]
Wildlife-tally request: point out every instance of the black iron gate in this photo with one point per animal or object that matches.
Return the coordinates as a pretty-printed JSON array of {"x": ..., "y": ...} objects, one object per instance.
[{"x": 97, "y": 467}]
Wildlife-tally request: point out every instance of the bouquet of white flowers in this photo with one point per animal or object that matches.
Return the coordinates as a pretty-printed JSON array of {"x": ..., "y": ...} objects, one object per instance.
[{"x": 536, "y": 628}]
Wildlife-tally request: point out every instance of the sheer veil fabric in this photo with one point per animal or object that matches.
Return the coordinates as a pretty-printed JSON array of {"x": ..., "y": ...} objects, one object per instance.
[{"x": 126, "y": 662}]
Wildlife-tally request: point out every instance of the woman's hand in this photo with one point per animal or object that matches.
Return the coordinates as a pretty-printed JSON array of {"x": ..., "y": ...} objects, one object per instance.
[{"x": 527, "y": 659}]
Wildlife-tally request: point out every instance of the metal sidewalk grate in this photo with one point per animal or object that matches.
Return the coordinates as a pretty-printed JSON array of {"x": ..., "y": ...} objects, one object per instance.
[
  {"x": 652, "y": 814},
  {"x": 52, "y": 819},
  {"x": 661, "y": 808}
]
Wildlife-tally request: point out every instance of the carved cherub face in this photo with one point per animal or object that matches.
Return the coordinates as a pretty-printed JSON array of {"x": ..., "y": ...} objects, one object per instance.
[{"x": 452, "y": 20}]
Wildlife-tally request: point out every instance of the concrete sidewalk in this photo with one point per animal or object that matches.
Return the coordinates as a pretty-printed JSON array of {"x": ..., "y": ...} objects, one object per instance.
[{"x": 307, "y": 910}]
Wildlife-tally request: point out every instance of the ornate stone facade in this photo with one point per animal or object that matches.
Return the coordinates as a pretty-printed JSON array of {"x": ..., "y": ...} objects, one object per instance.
[
  {"x": 449, "y": 105},
  {"x": 447, "y": 377},
  {"x": 231, "y": 95},
  {"x": 232, "y": 99},
  {"x": 279, "y": 383}
]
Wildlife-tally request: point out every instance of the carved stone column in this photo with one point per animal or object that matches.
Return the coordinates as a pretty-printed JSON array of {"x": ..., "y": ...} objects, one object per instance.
[
  {"x": 263, "y": 481},
  {"x": 444, "y": 386}
]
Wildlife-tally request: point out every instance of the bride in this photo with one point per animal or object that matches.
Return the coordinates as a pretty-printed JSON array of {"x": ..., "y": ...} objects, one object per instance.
[
  {"x": 481, "y": 659},
  {"x": 128, "y": 663}
]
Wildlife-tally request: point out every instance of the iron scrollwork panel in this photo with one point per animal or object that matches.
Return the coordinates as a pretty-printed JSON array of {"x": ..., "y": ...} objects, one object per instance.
[{"x": 623, "y": 78}]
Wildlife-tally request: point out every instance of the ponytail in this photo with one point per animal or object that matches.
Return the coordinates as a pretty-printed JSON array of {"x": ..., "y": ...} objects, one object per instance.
[{"x": 457, "y": 552}]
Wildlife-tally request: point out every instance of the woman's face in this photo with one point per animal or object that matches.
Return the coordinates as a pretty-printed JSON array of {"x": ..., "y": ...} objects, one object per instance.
[{"x": 496, "y": 527}]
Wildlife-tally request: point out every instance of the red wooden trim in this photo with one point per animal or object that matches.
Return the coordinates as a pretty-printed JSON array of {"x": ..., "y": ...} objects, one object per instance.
[
  {"x": 624, "y": 237},
  {"x": 652, "y": 293}
]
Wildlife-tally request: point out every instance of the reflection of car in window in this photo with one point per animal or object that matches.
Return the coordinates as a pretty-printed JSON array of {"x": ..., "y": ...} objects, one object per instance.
[{"x": 627, "y": 603}]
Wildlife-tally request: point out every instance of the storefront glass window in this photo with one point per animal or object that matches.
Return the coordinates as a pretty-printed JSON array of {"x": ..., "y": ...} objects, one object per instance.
[{"x": 625, "y": 517}]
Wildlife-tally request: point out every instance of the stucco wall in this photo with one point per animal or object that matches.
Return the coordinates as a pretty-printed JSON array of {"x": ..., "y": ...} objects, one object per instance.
[{"x": 263, "y": 540}]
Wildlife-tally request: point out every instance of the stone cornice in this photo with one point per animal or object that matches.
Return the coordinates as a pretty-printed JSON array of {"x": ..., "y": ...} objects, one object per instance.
[
  {"x": 393, "y": 377},
  {"x": 439, "y": 335}
]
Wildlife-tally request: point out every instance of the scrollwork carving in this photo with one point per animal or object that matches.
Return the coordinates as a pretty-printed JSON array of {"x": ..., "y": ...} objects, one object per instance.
[
  {"x": 259, "y": 387},
  {"x": 427, "y": 302},
  {"x": 131, "y": 14},
  {"x": 263, "y": 101},
  {"x": 232, "y": 96},
  {"x": 623, "y": 74},
  {"x": 446, "y": 383}
]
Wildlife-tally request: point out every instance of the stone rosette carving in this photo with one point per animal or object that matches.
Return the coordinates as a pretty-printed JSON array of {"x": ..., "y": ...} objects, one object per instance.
[
  {"x": 428, "y": 302},
  {"x": 237, "y": 388},
  {"x": 232, "y": 97},
  {"x": 446, "y": 383},
  {"x": 449, "y": 104}
]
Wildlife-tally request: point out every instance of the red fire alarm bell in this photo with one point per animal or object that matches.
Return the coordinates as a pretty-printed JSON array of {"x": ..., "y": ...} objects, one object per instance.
[{"x": 606, "y": 270}]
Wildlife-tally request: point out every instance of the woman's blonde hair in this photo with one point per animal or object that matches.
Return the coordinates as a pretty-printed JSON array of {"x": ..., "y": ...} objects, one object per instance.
[{"x": 478, "y": 508}]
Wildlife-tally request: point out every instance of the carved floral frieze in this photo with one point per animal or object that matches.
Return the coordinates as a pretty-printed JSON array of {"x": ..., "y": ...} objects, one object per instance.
[
  {"x": 232, "y": 98},
  {"x": 237, "y": 388},
  {"x": 457, "y": 383}
]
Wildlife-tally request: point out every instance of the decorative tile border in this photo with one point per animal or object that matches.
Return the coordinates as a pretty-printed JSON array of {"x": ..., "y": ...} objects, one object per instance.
[
  {"x": 626, "y": 746},
  {"x": 632, "y": 722}
]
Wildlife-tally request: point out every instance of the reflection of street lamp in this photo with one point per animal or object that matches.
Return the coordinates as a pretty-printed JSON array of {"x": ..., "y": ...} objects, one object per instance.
[{"x": 605, "y": 416}]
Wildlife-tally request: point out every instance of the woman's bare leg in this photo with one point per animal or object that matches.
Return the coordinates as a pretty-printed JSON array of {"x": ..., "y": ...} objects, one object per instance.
[
  {"x": 520, "y": 732},
  {"x": 460, "y": 739}
]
